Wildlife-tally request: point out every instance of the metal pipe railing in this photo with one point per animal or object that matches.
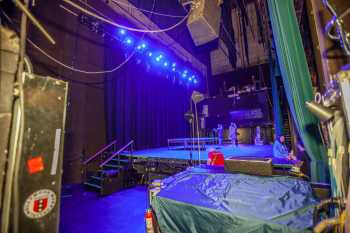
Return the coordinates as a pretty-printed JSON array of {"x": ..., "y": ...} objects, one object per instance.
[
  {"x": 117, "y": 153},
  {"x": 100, "y": 152}
]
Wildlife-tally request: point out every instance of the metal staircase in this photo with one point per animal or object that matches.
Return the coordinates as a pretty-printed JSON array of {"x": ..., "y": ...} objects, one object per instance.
[
  {"x": 287, "y": 127},
  {"x": 108, "y": 171}
]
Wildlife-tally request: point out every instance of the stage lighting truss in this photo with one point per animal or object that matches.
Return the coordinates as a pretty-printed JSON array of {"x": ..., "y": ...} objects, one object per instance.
[{"x": 154, "y": 59}]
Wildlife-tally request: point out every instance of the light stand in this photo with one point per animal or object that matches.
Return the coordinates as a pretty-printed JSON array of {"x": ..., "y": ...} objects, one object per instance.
[
  {"x": 189, "y": 118},
  {"x": 196, "y": 98}
]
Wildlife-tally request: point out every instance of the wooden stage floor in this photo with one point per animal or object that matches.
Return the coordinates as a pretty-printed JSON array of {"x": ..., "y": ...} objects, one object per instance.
[{"x": 227, "y": 150}]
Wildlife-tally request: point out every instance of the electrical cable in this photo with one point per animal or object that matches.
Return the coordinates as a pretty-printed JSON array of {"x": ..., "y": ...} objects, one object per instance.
[
  {"x": 80, "y": 70},
  {"x": 85, "y": 71},
  {"x": 25, "y": 10},
  {"x": 20, "y": 80},
  {"x": 342, "y": 36},
  {"x": 147, "y": 11},
  {"x": 87, "y": 12},
  {"x": 93, "y": 8},
  {"x": 71, "y": 67},
  {"x": 345, "y": 13},
  {"x": 100, "y": 13}
]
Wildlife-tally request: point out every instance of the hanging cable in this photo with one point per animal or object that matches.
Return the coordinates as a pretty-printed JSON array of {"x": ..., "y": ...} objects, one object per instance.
[
  {"x": 87, "y": 12},
  {"x": 80, "y": 70},
  {"x": 336, "y": 21},
  {"x": 101, "y": 14},
  {"x": 94, "y": 9},
  {"x": 147, "y": 11},
  {"x": 25, "y": 10},
  {"x": 68, "y": 66}
]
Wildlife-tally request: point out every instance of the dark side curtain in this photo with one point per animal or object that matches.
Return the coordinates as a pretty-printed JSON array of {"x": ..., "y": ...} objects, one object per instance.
[
  {"x": 297, "y": 81},
  {"x": 277, "y": 113},
  {"x": 143, "y": 105}
]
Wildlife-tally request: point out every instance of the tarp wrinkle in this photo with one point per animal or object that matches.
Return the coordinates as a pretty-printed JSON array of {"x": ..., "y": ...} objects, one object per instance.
[{"x": 206, "y": 202}]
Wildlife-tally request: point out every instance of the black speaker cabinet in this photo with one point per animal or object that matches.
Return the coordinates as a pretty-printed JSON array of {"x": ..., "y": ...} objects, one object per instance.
[{"x": 40, "y": 167}]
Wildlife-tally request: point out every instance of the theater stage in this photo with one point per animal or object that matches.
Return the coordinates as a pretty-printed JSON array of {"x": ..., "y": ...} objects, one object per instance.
[{"x": 181, "y": 154}]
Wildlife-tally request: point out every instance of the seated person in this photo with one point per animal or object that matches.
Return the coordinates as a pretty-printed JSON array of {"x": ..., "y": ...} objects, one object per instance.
[{"x": 280, "y": 150}]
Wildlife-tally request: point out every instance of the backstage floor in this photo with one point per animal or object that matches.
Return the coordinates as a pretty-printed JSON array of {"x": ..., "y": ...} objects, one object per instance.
[{"x": 121, "y": 212}]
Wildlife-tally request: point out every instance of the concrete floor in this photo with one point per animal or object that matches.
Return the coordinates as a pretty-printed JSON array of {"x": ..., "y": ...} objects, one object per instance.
[{"x": 121, "y": 212}]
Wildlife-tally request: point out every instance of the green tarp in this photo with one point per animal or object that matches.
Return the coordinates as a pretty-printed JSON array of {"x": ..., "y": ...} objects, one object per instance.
[
  {"x": 202, "y": 202},
  {"x": 297, "y": 81}
]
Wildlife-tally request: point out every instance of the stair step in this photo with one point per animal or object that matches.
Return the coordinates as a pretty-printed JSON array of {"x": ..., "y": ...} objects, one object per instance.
[
  {"x": 113, "y": 166},
  {"x": 92, "y": 185},
  {"x": 95, "y": 180},
  {"x": 120, "y": 160},
  {"x": 96, "y": 177},
  {"x": 103, "y": 173}
]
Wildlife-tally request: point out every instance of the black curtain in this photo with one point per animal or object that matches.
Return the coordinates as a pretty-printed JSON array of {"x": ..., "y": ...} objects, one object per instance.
[{"x": 142, "y": 104}]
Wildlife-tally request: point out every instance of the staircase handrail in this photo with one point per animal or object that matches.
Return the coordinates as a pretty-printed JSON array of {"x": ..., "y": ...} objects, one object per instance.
[
  {"x": 99, "y": 152},
  {"x": 116, "y": 153}
]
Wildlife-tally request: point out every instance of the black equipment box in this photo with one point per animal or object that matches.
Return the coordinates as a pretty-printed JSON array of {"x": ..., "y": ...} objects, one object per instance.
[{"x": 40, "y": 167}]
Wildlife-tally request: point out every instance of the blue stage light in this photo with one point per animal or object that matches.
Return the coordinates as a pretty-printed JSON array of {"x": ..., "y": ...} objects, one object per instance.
[
  {"x": 128, "y": 41},
  {"x": 141, "y": 46},
  {"x": 158, "y": 58},
  {"x": 122, "y": 31}
]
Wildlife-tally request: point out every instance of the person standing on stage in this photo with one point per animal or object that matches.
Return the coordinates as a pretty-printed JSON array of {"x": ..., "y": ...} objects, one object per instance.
[
  {"x": 233, "y": 134},
  {"x": 258, "y": 141},
  {"x": 220, "y": 131}
]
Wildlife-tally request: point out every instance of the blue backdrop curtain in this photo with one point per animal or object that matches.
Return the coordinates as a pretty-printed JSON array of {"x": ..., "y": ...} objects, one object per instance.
[
  {"x": 143, "y": 105},
  {"x": 297, "y": 81}
]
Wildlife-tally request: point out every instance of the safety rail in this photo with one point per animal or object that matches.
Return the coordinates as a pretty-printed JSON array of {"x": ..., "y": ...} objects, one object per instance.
[
  {"x": 118, "y": 152},
  {"x": 100, "y": 152}
]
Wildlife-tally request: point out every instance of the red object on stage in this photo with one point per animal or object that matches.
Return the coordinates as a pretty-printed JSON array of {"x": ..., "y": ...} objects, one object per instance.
[{"x": 216, "y": 158}]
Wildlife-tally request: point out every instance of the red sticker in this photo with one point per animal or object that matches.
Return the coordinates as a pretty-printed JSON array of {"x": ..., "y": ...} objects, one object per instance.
[{"x": 35, "y": 165}]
